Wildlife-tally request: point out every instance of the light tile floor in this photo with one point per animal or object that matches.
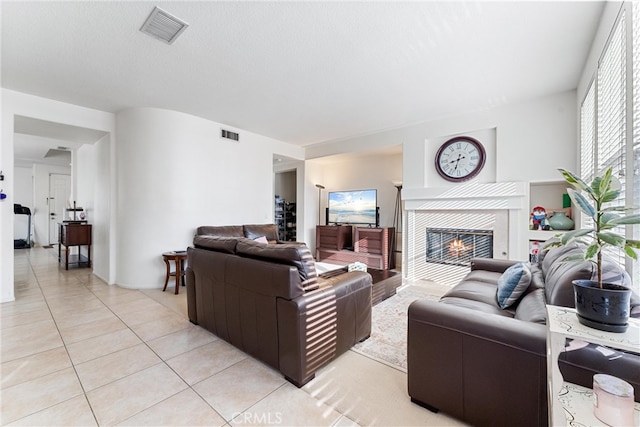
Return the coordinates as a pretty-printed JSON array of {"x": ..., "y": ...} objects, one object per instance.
[{"x": 75, "y": 351}]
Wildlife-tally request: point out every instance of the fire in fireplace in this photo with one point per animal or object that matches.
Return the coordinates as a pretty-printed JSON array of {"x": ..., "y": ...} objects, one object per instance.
[{"x": 457, "y": 246}]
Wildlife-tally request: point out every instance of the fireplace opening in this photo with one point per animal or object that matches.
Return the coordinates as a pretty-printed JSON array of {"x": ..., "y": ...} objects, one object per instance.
[{"x": 457, "y": 246}]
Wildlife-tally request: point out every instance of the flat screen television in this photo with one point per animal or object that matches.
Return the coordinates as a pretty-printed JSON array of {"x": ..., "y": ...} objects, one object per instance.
[{"x": 353, "y": 207}]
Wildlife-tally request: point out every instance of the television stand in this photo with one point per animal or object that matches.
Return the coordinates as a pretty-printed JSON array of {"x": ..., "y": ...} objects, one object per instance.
[{"x": 371, "y": 246}]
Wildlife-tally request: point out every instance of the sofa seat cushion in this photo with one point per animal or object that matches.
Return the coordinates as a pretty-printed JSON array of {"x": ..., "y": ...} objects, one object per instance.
[
  {"x": 477, "y": 306},
  {"x": 296, "y": 255},
  {"x": 474, "y": 291},
  {"x": 587, "y": 360}
]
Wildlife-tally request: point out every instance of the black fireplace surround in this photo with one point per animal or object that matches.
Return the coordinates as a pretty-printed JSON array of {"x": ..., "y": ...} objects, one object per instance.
[{"x": 457, "y": 246}]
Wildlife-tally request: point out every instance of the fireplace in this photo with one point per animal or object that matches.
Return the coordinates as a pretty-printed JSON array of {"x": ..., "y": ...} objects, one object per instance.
[
  {"x": 500, "y": 207},
  {"x": 457, "y": 246}
]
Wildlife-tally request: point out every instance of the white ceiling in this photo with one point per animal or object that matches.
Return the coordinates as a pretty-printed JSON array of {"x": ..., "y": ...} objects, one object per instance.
[
  {"x": 44, "y": 142},
  {"x": 301, "y": 72}
]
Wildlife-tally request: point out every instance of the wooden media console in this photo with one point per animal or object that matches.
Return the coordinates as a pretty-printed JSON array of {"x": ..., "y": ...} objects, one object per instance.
[{"x": 371, "y": 246}]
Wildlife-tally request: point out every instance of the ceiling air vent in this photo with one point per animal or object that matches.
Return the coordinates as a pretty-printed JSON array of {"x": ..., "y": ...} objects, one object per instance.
[
  {"x": 227, "y": 134},
  {"x": 163, "y": 26},
  {"x": 58, "y": 153}
]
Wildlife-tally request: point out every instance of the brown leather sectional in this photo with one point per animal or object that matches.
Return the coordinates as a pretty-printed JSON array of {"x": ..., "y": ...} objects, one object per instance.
[
  {"x": 268, "y": 301},
  {"x": 487, "y": 366}
]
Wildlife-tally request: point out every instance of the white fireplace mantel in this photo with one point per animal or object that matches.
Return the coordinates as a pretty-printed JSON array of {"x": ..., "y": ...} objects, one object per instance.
[
  {"x": 469, "y": 196},
  {"x": 507, "y": 203}
]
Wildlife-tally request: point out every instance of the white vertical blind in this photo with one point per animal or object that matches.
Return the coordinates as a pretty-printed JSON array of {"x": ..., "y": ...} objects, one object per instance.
[
  {"x": 588, "y": 134},
  {"x": 588, "y": 143},
  {"x": 635, "y": 172},
  {"x": 610, "y": 120},
  {"x": 612, "y": 90}
]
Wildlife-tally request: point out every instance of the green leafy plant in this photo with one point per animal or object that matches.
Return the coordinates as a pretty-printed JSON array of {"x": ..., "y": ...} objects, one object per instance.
[{"x": 591, "y": 200}]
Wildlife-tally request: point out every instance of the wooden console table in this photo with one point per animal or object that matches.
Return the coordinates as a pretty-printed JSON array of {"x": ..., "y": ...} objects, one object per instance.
[{"x": 72, "y": 234}]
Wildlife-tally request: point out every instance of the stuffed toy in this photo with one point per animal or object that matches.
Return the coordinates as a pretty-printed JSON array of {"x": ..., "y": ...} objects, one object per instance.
[{"x": 539, "y": 219}]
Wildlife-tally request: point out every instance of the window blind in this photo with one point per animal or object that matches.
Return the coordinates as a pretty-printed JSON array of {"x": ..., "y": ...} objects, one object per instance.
[
  {"x": 635, "y": 175},
  {"x": 611, "y": 118},
  {"x": 588, "y": 134}
]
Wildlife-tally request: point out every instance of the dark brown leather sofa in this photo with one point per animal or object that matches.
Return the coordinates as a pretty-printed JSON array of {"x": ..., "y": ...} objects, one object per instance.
[
  {"x": 267, "y": 300},
  {"x": 486, "y": 366}
]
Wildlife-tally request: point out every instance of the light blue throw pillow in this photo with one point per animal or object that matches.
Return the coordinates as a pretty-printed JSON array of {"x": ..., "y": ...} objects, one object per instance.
[{"x": 513, "y": 283}]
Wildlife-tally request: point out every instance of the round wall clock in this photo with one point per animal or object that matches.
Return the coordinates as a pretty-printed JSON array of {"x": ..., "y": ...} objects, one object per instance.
[{"x": 460, "y": 158}]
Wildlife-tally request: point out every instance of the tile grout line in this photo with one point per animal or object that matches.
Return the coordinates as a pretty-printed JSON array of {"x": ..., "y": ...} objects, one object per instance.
[
  {"x": 64, "y": 345},
  {"x": 162, "y": 360}
]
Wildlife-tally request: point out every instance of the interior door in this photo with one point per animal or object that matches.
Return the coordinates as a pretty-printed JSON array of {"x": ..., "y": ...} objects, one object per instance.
[{"x": 59, "y": 192}]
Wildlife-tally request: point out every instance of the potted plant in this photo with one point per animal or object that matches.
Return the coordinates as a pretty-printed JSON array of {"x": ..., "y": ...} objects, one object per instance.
[{"x": 599, "y": 304}]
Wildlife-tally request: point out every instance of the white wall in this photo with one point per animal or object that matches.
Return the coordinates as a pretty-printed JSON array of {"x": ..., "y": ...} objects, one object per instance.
[
  {"x": 93, "y": 193},
  {"x": 532, "y": 139},
  {"x": 362, "y": 173},
  {"x": 174, "y": 174},
  {"x": 285, "y": 185},
  {"x": 16, "y": 103},
  {"x": 23, "y": 195}
]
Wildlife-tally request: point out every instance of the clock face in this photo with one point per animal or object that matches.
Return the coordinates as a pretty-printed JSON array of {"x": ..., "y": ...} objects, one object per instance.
[{"x": 460, "y": 158}]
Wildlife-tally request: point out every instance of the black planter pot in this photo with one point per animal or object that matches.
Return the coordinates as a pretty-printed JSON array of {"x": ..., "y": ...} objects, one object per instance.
[{"x": 606, "y": 309}]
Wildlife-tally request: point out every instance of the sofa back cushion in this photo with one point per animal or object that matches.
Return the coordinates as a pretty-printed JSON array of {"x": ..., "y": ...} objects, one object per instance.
[
  {"x": 221, "y": 231},
  {"x": 216, "y": 243},
  {"x": 296, "y": 254},
  {"x": 559, "y": 272},
  {"x": 254, "y": 231}
]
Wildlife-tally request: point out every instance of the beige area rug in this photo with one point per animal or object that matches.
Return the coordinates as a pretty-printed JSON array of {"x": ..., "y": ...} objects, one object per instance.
[{"x": 388, "y": 341}]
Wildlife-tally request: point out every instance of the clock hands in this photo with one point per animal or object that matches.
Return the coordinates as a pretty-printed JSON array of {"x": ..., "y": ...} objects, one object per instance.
[{"x": 456, "y": 161}]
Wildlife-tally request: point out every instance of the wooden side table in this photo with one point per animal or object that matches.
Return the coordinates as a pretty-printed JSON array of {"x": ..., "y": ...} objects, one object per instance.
[
  {"x": 178, "y": 258},
  {"x": 74, "y": 234}
]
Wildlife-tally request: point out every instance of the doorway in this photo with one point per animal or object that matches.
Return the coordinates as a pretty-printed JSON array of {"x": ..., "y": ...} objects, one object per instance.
[
  {"x": 286, "y": 211},
  {"x": 59, "y": 194}
]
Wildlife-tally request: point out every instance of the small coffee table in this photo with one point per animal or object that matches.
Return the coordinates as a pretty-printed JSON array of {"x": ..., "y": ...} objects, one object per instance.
[{"x": 383, "y": 285}]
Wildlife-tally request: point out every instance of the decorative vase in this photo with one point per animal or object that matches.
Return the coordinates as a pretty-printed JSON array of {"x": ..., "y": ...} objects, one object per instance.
[
  {"x": 606, "y": 308},
  {"x": 560, "y": 221}
]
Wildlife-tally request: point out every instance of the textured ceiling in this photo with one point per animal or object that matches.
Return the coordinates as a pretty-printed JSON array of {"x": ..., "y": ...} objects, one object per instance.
[{"x": 300, "y": 72}]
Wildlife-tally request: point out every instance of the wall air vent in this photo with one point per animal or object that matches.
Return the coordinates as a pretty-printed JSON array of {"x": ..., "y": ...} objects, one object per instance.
[
  {"x": 163, "y": 26},
  {"x": 227, "y": 134}
]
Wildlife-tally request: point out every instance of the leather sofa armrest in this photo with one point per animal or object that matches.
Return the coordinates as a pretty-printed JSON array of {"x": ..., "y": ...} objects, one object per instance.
[
  {"x": 473, "y": 365},
  {"x": 503, "y": 330},
  {"x": 491, "y": 264},
  {"x": 322, "y": 324}
]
